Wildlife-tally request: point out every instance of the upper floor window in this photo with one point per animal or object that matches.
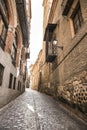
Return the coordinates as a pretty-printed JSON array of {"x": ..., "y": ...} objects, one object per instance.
[
  {"x": 77, "y": 18},
  {"x": 3, "y": 23},
  {"x": 14, "y": 50},
  {"x": 14, "y": 85},
  {"x": 10, "y": 80},
  {"x": 66, "y": 5}
]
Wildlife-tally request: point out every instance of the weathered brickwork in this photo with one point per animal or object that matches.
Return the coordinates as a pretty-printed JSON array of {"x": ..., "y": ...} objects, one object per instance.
[
  {"x": 71, "y": 62},
  {"x": 66, "y": 76},
  {"x": 35, "y": 73}
]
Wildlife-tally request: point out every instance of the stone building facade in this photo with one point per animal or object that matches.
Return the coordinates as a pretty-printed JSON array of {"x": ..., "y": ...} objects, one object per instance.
[
  {"x": 39, "y": 74},
  {"x": 35, "y": 73},
  {"x": 14, "y": 40},
  {"x": 65, "y": 45}
]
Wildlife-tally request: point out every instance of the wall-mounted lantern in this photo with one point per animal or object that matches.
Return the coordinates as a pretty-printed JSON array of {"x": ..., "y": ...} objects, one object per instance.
[{"x": 55, "y": 44}]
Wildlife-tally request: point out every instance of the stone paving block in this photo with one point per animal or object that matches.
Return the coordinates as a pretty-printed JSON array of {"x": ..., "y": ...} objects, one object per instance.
[{"x": 36, "y": 111}]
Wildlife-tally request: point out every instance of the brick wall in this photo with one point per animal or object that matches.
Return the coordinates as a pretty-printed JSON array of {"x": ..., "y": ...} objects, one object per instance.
[{"x": 72, "y": 60}]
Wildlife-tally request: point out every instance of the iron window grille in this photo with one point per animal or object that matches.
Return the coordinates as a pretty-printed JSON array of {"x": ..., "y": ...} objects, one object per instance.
[
  {"x": 48, "y": 37},
  {"x": 77, "y": 18},
  {"x": 14, "y": 50},
  {"x": 19, "y": 86},
  {"x": 66, "y": 5},
  {"x": 10, "y": 81},
  {"x": 14, "y": 83}
]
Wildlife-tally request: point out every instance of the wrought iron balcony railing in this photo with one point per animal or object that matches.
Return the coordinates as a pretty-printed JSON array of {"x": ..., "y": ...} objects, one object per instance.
[
  {"x": 50, "y": 48},
  {"x": 51, "y": 52}
]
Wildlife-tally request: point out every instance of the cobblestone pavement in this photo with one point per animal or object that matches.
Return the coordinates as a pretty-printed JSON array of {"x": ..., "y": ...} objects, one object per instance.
[{"x": 36, "y": 111}]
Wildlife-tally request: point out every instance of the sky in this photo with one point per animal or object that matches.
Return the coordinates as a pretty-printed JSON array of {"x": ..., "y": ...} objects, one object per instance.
[{"x": 36, "y": 32}]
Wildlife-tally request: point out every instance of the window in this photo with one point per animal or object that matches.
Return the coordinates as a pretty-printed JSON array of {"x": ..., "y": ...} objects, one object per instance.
[
  {"x": 77, "y": 18},
  {"x": 48, "y": 37},
  {"x": 3, "y": 23},
  {"x": 1, "y": 73},
  {"x": 14, "y": 82},
  {"x": 20, "y": 67},
  {"x": 19, "y": 86},
  {"x": 10, "y": 80},
  {"x": 54, "y": 64},
  {"x": 14, "y": 50}
]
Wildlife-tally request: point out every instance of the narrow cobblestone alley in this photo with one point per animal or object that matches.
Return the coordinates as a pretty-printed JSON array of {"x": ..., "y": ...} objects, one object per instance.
[{"x": 36, "y": 111}]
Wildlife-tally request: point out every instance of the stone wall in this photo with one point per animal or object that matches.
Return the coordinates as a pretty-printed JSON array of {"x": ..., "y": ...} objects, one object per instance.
[
  {"x": 6, "y": 93},
  {"x": 68, "y": 78},
  {"x": 75, "y": 90}
]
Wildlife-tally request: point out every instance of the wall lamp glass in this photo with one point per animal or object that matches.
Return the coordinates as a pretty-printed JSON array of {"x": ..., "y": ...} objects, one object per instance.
[{"x": 55, "y": 44}]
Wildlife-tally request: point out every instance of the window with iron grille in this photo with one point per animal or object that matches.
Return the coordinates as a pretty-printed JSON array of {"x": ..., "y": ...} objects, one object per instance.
[
  {"x": 77, "y": 18},
  {"x": 10, "y": 81},
  {"x": 14, "y": 50},
  {"x": 1, "y": 73},
  {"x": 19, "y": 86},
  {"x": 55, "y": 64},
  {"x": 14, "y": 83}
]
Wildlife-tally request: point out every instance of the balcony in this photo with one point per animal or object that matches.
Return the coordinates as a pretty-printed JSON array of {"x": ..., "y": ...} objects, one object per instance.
[
  {"x": 51, "y": 52},
  {"x": 50, "y": 48},
  {"x": 66, "y": 5},
  {"x": 21, "y": 10}
]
